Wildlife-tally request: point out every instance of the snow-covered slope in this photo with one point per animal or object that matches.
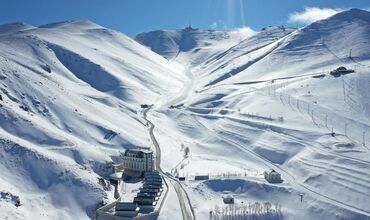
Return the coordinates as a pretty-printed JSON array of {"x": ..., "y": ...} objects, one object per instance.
[
  {"x": 71, "y": 92},
  {"x": 242, "y": 105},
  {"x": 190, "y": 46},
  {"x": 269, "y": 102},
  {"x": 320, "y": 46},
  {"x": 14, "y": 27}
]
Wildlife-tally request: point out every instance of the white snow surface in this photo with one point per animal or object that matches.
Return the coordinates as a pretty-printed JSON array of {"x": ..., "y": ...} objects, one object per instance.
[
  {"x": 72, "y": 92},
  {"x": 269, "y": 102}
]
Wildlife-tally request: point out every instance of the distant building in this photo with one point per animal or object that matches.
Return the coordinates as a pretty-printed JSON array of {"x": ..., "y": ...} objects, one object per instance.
[
  {"x": 272, "y": 176},
  {"x": 229, "y": 199},
  {"x": 138, "y": 161},
  {"x": 341, "y": 71},
  {"x": 144, "y": 106},
  {"x": 202, "y": 177}
]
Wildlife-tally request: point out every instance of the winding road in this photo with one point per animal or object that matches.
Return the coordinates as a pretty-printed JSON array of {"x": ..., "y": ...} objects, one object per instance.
[{"x": 186, "y": 208}]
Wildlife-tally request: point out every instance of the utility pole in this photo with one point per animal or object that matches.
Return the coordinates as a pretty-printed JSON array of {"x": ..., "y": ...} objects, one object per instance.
[
  {"x": 332, "y": 132},
  {"x": 345, "y": 130},
  {"x": 116, "y": 193},
  {"x": 344, "y": 90},
  {"x": 308, "y": 108},
  {"x": 326, "y": 120},
  {"x": 298, "y": 104},
  {"x": 363, "y": 139},
  {"x": 312, "y": 117},
  {"x": 281, "y": 99}
]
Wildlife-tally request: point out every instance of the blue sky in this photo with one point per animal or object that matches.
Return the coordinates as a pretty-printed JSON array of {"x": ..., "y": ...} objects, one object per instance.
[{"x": 135, "y": 16}]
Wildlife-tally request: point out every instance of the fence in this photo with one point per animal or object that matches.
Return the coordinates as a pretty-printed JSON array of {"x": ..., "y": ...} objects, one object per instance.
[
  {"x": 218, "y": 175},
  {"x": 322, "y": 117},
  {"x": 254, "y": 211},
  {"x": 355, "y": 131}
]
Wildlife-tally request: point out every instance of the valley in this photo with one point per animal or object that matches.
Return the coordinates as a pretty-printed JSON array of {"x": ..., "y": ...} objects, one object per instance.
[{"x": 242, "y": 105}]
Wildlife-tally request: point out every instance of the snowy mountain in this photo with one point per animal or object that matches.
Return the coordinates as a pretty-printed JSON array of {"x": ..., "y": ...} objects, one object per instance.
[
  {"x": 243, "y": 104},
  {"x": 270, "y": 102},
  {"x": 14, "y": 27},
  {"x": 71, "y": 92},
  {"x": 190, "y": 46}
]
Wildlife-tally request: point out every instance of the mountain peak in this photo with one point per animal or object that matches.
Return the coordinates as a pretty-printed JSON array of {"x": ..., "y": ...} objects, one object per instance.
[
  {"x": 351, "y": 14},
  {"x": 85, "y": 24},
  {"x": 15, "y": 27},
  {"x": 338, "y": 20}
]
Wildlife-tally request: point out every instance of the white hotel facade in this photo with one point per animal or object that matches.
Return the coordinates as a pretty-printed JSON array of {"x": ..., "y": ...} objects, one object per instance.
[{"x": 138, "y": 161}]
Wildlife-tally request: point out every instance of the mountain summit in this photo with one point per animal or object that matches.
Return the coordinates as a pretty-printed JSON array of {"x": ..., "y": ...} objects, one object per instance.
[
  {"x": 14, "y": 27},
  {"x": 189, "y": 45}
]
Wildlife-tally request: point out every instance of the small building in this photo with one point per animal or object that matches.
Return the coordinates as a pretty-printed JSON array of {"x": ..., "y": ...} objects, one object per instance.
[
  {"x": 153, "y": 177},
  {"x": 156, "y": 181},
  {"x": 117, "y": 168},
  {"x": 153, "y": 174},
  {"x": 203, "y": 177},
  {"x": 145, "y": 201},
  {"x": 153, "y": 180},
  {"x": 228, "y": 199},
  {"x": 115, "y": 177},
  {"x": 152, "y": 186},
  {"x": 126, "y": 209},
  {"x": 341, "y": 71},
  {"x": 272, "y": 176},
  {"x": 147, "y": 190},
  {"x": 138, "y": 161},
  {"x": 147, "y": 194}
]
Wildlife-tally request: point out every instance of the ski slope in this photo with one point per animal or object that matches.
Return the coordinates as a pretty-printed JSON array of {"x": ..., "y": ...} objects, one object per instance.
[
  {"x": 269, "y": 102},
  {"x": 70, "y": 96},
  {"x": 243, "y": 104}
]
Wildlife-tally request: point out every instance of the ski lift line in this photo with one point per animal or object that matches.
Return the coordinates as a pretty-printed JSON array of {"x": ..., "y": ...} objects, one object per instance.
[
  {"x": 330, "y": 51},
  {"x": 343, "y": 59},
  {"x": 290, "y": 177},
  {"x": 292, "y": 139},
  {"x": 295, "y": 79},
  {"x": 275, "y": 45},
  {"x": 322, "y": 109},
  {"x": 323, "y": 113},
  {"x": 281, "y": 78},
  {"x": 257, "y": 124}
]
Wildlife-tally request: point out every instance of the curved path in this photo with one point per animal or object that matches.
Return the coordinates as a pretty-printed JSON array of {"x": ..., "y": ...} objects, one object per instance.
[{"x": 186, "y": 208}]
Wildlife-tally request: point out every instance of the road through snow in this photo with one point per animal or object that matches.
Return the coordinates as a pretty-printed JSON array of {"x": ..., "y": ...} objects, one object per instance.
[{"x": 186, "y": 208}]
